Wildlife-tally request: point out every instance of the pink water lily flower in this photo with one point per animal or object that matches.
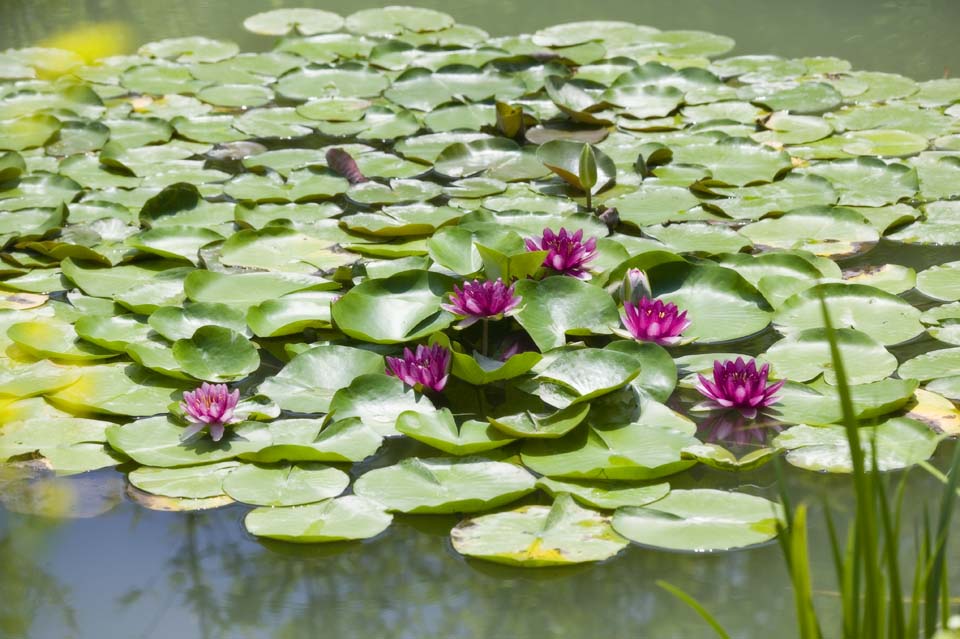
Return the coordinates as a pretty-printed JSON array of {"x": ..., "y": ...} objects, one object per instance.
[
  {"x": 210, "y": 406},
  {"x": 739, "y": 385},
  {"x": 567, "y": 253},
  {"x": 427, "y": 367},
  {"x": 482, "y": 300},
  {"x": 654, "y": 321}
]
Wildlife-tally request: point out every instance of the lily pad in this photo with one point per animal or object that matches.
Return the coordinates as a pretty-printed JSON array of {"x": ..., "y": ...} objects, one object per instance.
[
  {"x": 883, "y": 316},
  {"x": 307, "y": 383},
  {"x": 805, "y": 355},
  {"x": 701, "y": 520},
  {"x": 400, "y": 308},
  {"x": 900, "y": 442},
  {"x": 216, "y": 354},
  {"x": 445, "y": 485},
  {"x": 340, "y": 519},
  {"x": 286, "y": 485},
  {"x": 440, "y": 430},
  {"x": 194, "y": 482},
  {"x": 558, "y": 306},
  {"x": 536, "y": 536}
]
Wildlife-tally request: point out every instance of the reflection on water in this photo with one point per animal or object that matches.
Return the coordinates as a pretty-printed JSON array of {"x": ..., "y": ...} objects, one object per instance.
[
  {"x": 913, "y": 37},
  {"x": 145, "y": 574}
]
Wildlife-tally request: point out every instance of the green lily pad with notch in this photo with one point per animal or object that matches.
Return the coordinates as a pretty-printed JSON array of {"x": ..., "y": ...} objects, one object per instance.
[
  {"x": 119, "y": 389},
  {"x": 53, "y": 437},
  {"x": 396, "y": 20},
  {"x": 347, "y": 440},
  {"x": 192, "y": 482},
  {"x": 432, "y": 486},
  {"x": 892, "y": 278},
  {"x": 581, "y": 375},
  {"x": 793, "y": 192},
  {"x": 868, "y": 181},
  {"x": 156, "y": 442},
  {"x": 181, "y": 322},
  {"x": 658, "y": 373},
  {"x": 300, "y": 186},
  {"x": 400, "y": 308},
  {"x": 378, "y": 400},
  {"x": 175, "y": 242},
  {"x": 190, "y": 49},
  {"x": 785, "y": 128},
  {"x": 398, "y": 191},
  {"x": 308, "y": 382},
  {"x": 34, "y": 378},
  {"x": 900, "y": 443},
  {"x": 612, "y": 32},
  {"x": 258, "y": 216},
  {"x": 243, "y": 290},
  {"x": 806, "y": 98},
  {"x": 216, "y": 354},
  {"x": 461, "y": 117},
  {"x": 107, "y": 282},
  {"x": 283, "y": 250},
  {"x": 606, "y": 495},
  {"x": 558, "y": 306},
  {"x": 716, "y": 456},
  {"x": 824, "y": 230},
  {"x": 242, "y": 96},
  {"x": 284, "y": 485},
  {"x": 496, "y": 158},
  {"x": 736, "y": 161},
  {"x": 425, "y": 90},
  {"x": 12, "y": 166},
  {"x": 884, "y": 142},
  {"x": 818, "y": 403},
  {"x": 379, "y": 123},
  {"x": 806, "y": 354},
  {"x": 440, "y": 430},
  {"x": 27, "y": 132},
  {"x": 531, "y": 425},
  {"x": 883, "y": 316},
  {"x": 292, "y": 313},
  {"x": 308, "y": 83},
  {"x": 933, "y": 365},
  {"x": 655, "y": 204},
  {"x": 56, "y": 340},
  {"x": 306, "y": 22},
  {"x": 941, "y": 282},
  {"x": 340, "y": 519},
  {"x": 617, "y": 452},
  {"x": 538, "y": 536},
  {"x": 113, "y": 333},
  {"x": 938, "y": 226},
  {"x": 701, "y": 520},
  {"x": 698, "y": 237},
  {"x": 720, "y": 304}
]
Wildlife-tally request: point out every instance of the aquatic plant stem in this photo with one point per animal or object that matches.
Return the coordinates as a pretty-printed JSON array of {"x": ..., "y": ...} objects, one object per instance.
[{"x": 485, "y": 340}]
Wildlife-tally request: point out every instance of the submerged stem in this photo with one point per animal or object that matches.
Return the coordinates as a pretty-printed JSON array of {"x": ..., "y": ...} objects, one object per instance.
[{"x": 485, "y": 340}]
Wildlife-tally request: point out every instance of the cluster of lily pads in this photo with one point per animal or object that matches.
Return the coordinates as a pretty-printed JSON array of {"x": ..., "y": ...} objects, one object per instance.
[{"x": 394, "y": 265}]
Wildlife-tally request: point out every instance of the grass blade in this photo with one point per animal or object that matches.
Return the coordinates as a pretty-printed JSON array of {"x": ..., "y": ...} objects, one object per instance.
[{"x": 693, "y": 603}]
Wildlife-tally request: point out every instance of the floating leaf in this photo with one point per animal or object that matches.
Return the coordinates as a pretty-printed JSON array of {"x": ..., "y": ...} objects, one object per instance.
[
  {"x": 535, "y": 536},
  {"x": 287, "y": 485},
  {"x": 445, "y": 485},
  {"x": 340, "y": 519},
  {"x": 701, "y": 520}
]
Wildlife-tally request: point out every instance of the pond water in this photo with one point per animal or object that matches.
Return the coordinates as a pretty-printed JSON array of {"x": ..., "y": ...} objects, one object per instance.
[
  {"x": 914, "y": 37},
  {"x": 122, "y": 570},
  {"x": 139, "y": 573}
]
